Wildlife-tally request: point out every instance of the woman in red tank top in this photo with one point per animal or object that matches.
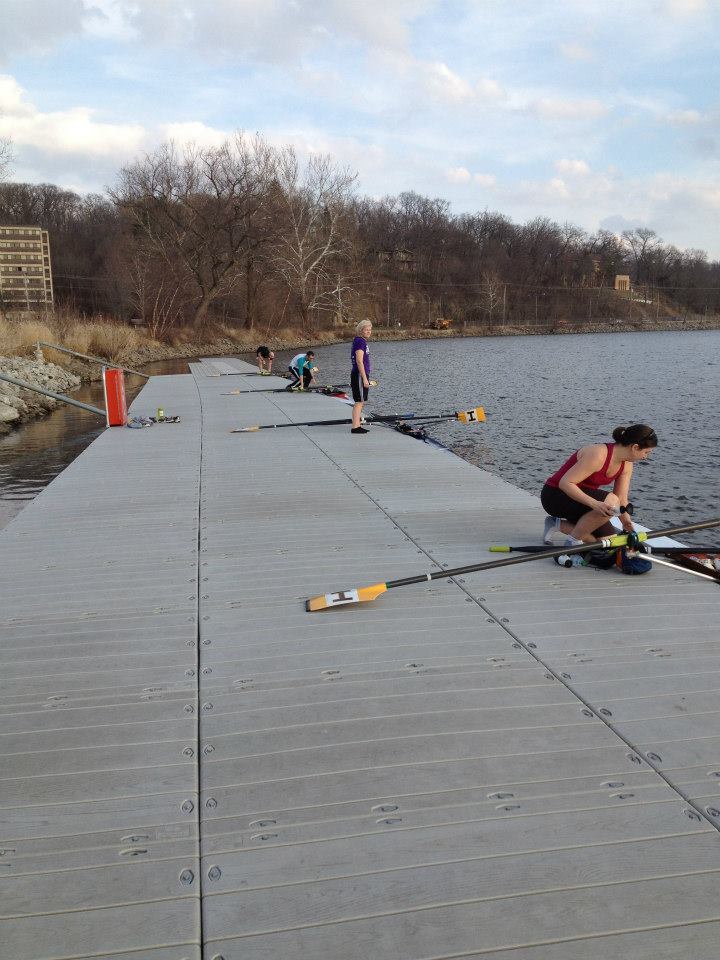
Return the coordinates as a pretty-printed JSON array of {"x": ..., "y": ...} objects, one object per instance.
[{"x": 572, "y": 495}]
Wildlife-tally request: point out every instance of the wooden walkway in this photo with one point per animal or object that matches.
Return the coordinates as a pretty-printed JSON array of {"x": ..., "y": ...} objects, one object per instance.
[{"x": 518, "y": 765}]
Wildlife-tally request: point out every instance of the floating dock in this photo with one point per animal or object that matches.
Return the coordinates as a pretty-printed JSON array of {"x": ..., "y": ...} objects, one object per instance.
[{"x": 522, "y": 764}]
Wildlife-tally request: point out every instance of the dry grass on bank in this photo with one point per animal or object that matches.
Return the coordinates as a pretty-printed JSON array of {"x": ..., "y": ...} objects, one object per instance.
[
  {"x": 116, "y": 342},
  {"x": 105, "y": 339}
]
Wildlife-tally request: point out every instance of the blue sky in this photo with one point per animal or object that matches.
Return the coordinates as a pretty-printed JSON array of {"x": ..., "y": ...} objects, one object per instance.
[{"x": 599, "y": 114}]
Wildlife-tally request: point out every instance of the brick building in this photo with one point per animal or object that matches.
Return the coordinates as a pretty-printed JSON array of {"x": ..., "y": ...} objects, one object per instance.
[{"x": 25, "y": 269}]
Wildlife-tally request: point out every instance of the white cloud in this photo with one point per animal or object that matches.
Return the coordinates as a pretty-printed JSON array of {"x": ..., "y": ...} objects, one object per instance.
[
  {"x": 71, "y": 131},
  {"x": 366, "y": 158},
  {"x": 684, "y": 118},
  {"x": 38, "y": 25},
  {"x": 461, "y": 175},
  {"x": 685, "y": 8},
  {"x": 444, "y": 85},
  {"x": 195, "y": 132},
  {"x": 489, "y": 90},
  {"x": 272, "y": 30},
  {"x": 682, "y": 209},
  {"x": 548, "y": 108},
  {"x": 558, "y": 187},
  {"x": 485, "y": 179},
  {"x": 573, "y": 168},
  {"x": 577, "y": 51},
  {"x": 458, "y": 175}
]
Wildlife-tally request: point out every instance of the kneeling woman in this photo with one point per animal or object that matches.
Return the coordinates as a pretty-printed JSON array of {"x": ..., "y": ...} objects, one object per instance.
[{"x": 573, "y": 498}]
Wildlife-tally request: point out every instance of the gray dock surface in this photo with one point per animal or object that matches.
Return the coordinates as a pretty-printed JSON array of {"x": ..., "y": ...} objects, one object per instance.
[{"x": 515, "y": 765}]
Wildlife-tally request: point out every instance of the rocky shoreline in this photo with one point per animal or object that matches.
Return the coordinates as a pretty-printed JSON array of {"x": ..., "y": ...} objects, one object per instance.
[{"x": 18, "y": 405}]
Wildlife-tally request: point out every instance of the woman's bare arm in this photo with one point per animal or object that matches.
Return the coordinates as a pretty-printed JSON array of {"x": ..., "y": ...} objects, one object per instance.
[{"x": 590, "y": 459}]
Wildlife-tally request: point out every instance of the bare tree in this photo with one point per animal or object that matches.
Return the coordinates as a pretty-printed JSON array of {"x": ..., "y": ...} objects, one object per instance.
[
  {"x": 313, "y": 245},
  {"x": 642, "y": 245},
  {"x": 491, "y": 292},
  {"x": 6, "y": 157},
  {"x": 198, "y": 210}
]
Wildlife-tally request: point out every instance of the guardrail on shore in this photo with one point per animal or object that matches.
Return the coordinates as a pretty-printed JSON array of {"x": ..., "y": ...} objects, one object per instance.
[
  {"x": 55, "y": 396},
  {"x": 85, "y": 356}
]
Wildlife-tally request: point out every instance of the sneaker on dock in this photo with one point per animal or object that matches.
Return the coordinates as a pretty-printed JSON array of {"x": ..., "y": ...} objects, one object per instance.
[{"x": 552, "y": 533}]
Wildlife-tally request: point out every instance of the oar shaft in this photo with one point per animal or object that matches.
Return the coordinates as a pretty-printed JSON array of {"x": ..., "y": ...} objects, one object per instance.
[
  {"x": 615, "y": 541},
  {"x": 330, "y": 386},
  {"x": 388, "y": 418},
  {"x": 278, "y": 426},
  {"x": 675, "y": 566},
  {"x": 670, "y": 551},
  {"x": 331, "y": 423}
]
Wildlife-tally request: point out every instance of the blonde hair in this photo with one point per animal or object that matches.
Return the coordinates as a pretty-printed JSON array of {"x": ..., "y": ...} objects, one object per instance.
[{"x": 359, "y": 327}]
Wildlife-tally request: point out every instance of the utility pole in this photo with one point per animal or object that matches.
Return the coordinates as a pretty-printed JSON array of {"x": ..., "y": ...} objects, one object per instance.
[{"x": 388, "y": 305}]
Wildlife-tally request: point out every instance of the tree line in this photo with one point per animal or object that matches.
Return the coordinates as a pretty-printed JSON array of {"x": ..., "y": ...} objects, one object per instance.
[{"x": 248, "y": 234}]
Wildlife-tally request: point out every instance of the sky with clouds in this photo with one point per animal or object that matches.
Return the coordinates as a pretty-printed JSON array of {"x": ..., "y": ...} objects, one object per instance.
[{"x": 599, "y": 114}]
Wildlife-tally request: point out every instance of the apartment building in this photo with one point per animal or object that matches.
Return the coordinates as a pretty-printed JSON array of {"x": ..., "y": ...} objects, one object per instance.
[{"x": 25, "y": 269}]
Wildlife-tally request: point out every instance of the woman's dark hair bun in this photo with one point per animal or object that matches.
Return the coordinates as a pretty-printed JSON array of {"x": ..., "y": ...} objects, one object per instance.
[{"x": 639, "y": 433}]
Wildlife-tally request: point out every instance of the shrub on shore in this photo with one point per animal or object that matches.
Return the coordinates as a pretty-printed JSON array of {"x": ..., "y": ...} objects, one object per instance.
[{"x": 98, "y": 337}]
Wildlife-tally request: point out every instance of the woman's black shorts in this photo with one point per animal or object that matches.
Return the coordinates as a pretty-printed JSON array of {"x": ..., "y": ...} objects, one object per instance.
[
  {"x": 359, "y": 391},
  {"x": 557, "y": 503}
]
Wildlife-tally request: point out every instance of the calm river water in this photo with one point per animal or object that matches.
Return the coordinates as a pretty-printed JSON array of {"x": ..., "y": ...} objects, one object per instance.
[{"x": 544, "y": 397}]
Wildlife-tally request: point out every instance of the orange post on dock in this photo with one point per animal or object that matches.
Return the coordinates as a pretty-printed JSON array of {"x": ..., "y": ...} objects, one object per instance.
[{"x": 115, "y": 403}]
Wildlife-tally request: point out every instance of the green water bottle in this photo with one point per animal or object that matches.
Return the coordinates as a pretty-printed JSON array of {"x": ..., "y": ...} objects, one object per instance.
[{"x": 160, "y": 414}]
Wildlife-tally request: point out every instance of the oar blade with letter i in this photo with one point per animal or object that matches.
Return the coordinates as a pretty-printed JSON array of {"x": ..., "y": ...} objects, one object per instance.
[{"x": 476, "y": 415}]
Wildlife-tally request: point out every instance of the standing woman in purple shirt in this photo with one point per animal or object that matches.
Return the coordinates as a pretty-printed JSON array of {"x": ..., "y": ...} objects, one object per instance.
[{"x": 360, "y": 374}]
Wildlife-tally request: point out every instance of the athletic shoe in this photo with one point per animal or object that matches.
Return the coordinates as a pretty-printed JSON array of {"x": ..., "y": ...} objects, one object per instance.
[
  {"x": 359, "y": 430},
  {"x": 552, "y": 531}
]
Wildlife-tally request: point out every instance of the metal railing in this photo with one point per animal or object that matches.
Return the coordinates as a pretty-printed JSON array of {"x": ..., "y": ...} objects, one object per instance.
[
  {"x": 55, "y": 396},
  {"x": 84, "y": 356}
]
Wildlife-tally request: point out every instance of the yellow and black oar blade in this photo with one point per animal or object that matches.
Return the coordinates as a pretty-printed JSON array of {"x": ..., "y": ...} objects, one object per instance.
[
  {"x": 342, "y": 597},
  {"x": 475, "y": 415}
]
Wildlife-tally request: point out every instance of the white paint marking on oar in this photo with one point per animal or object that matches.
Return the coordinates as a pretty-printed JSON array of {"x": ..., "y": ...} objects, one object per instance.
[{"x": 675, "y": 566}]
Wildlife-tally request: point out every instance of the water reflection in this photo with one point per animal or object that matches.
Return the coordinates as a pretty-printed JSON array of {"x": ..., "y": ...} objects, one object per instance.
[{"x": 32, "y": 456}]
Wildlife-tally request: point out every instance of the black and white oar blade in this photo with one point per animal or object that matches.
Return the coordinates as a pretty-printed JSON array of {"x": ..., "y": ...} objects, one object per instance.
[{"x": 344, "y": 597}]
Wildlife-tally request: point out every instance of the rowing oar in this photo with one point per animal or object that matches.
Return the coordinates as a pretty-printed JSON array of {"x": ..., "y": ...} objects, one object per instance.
[
  {"x": 697, "y": 570},
  {"x": 330, "y": 386},
  {"x": 365, "y": 594},
  {"x": 475, "y": 415},
  {"x": 669, "y": 551}
]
